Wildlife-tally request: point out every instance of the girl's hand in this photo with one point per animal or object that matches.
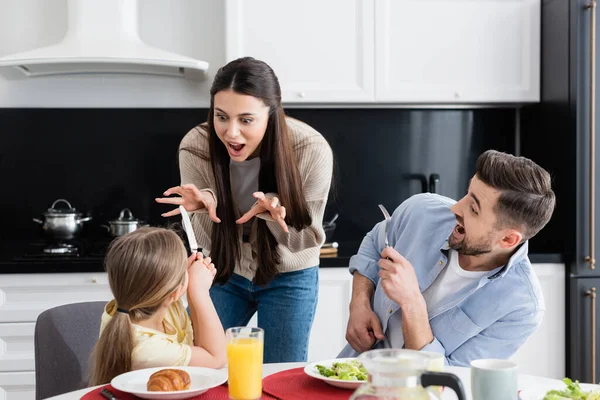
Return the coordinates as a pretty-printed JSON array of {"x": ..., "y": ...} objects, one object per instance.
[
  {"x": 191, "y": 199},
  {"x": 264, "y": 204},
  {"x": 201, "y": 273}
]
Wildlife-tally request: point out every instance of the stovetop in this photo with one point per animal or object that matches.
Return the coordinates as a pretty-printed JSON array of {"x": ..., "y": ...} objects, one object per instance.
[{"x": 40, "y": 250}]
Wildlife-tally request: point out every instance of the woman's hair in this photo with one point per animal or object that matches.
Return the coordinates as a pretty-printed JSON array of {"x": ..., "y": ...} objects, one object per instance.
[
  {"x": 144, "y": 267},
  {"x": 278, "y": 171}
]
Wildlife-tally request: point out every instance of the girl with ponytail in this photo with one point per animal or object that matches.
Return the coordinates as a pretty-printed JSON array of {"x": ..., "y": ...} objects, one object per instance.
[{"x": 146, "y": 325}]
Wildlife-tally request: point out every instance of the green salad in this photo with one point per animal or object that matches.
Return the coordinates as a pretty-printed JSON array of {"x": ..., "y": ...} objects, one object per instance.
[
  {"x": 345, "y": 371},
  {"x": 572, "y": 391}
]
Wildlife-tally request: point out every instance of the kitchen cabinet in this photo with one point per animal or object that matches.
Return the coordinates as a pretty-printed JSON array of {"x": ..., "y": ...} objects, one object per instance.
[
  {"x": 22, "y": 298},
  {"x": 566, "y": 123},
  {"x": 328, "y": 334},
  {"x": 459, "y": 51},
  {"x": 17, "y": 339},
  {"x": 583, "y": 314},
  {"x": 544, "y": 352},
  {"x": 392, "y": 52},
  {"x": 17, "y": 385},
  {"x": 321, "y": 51}
]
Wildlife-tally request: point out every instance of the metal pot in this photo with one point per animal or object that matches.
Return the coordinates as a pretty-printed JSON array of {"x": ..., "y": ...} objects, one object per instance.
[
  {"x": 62, "y": 223},
  {"x": 124, "y": 224}
]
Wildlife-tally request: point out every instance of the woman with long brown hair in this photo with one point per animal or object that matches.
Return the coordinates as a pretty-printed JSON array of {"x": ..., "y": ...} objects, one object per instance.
[
  {"x": 146, "y": 325},
  {"x": 250, "y": 160}
]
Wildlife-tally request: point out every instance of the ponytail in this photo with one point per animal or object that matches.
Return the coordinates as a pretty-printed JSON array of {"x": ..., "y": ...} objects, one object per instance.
[{"x": 112, "y": 353}]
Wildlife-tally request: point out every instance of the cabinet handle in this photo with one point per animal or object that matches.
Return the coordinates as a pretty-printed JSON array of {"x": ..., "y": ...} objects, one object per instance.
[
  {"x": 434, "y": 179},
  {"x": 591, "y": 7},
  {"x": 421, "y": 178},
  {"x": 591, "y": 293},
  {"x": 94, "y": 280}
]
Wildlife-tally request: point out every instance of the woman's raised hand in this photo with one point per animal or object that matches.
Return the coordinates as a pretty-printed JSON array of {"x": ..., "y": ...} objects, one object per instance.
[
  {"x": 264, "y": 204},
  {"x": 191, "y": 199}
]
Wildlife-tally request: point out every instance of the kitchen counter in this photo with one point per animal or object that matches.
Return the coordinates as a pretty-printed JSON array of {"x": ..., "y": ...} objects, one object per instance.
[{"x": 10, "y": 265}]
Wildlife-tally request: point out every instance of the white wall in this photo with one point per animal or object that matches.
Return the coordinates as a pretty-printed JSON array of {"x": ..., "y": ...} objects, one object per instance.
[{"x": 193, "y": 28}]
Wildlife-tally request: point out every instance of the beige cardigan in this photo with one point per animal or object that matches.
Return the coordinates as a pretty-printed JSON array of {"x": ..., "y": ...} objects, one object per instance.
[{"x": 298, "y": 249}]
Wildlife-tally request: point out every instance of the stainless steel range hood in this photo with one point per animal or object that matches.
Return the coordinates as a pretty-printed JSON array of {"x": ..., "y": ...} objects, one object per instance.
[{"x": 102, "y": 38}]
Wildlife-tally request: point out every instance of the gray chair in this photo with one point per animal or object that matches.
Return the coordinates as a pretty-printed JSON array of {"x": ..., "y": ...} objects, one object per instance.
[{"x": 64, "y": 338}]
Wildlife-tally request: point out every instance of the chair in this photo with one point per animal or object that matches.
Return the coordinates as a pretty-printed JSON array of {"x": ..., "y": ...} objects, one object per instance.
[{"x": 64, "y": 338}]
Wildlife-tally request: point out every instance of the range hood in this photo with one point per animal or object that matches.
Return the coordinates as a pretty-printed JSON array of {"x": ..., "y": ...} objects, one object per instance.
[{"x": 102, "y": 38}]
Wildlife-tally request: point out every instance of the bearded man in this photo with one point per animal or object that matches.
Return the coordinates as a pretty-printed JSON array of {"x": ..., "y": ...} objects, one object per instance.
[{"x": 455, "y": 278}]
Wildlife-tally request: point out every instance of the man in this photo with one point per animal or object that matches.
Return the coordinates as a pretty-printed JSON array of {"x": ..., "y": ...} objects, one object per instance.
[{"x": 457, "y": 280}]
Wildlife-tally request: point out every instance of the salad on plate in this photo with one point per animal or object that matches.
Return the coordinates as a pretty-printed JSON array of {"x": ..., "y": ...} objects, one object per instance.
[
  {"x": 573, "y": 391},
  {"x": 346, "y": 371}
]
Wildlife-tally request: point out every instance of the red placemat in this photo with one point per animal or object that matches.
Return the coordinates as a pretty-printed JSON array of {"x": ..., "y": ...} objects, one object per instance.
[
  {"x": 294, "y": 384},
  {"x": 216, "y": 393}
]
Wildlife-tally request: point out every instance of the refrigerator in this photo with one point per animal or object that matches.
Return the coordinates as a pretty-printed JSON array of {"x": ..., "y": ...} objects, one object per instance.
[{"x": 561, "y": 133}]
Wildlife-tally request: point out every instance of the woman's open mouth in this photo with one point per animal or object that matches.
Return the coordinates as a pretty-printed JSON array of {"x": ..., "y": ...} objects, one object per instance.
[{"x": 235, "y": 149}]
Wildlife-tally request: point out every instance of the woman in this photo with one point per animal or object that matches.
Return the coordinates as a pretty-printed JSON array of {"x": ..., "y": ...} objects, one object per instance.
[{"x": 250, "y": 160}]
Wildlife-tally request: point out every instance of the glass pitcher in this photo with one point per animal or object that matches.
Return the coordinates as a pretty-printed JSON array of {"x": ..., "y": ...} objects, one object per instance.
[{"x": 396, "y": 374}]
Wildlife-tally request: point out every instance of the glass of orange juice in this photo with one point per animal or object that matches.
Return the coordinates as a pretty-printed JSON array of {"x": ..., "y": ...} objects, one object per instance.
[{"x": 245, "y": 359}]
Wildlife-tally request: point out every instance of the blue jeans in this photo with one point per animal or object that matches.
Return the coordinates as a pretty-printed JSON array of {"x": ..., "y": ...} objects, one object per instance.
[{"x": 286, "y": 310}]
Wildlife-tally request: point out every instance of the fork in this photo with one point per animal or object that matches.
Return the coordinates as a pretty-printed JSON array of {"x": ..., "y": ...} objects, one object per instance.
[{"x": 386, "y": 214}]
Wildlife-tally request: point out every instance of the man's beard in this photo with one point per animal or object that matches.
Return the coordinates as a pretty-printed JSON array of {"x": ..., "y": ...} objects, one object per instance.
[{"x": 468, "y": 249}]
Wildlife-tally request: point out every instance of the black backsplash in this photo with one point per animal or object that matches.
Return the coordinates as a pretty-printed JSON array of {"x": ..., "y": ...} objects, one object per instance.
[{"x": 103, "y": 160}]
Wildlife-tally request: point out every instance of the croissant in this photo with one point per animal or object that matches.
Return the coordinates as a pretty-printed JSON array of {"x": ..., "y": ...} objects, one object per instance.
[{"x": 168, "y": 380}]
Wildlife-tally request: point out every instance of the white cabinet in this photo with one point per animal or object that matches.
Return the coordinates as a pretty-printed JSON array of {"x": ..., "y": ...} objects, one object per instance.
[
  {"x": 544, "y": 352},
  {"x": 321, "y": 51},
  {"x": 16, "y": 347},
  {"x": 393, "y": 51},
  {"x": 459, "y": 51},
  {"x": 328, "y": 333},
  {"x": 22, "y": 298},
  {"x": 17, "y": 385}
]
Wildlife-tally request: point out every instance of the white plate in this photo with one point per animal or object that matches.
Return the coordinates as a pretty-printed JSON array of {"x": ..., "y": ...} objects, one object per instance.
[
  {"x": 538, "y": 394},
  {"x": 311, "y": 370},
  {"x": 202, "y": 379}
]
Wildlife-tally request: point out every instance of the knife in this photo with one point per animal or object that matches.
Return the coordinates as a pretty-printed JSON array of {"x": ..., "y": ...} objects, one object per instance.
[
  {"x": 108, "y": 394},
  {"x": 187, "y": 226}
]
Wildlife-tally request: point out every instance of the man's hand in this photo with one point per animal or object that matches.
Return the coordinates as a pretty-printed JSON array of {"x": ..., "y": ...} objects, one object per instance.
[
  {"x": 364, "y": 328},
  {"x": 398, "y": 278}
]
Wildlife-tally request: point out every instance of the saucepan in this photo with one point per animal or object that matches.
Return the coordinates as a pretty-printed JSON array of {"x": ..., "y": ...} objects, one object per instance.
[
  {"x": 124, "y": 224},
  {"x": 62, "y": 223}
]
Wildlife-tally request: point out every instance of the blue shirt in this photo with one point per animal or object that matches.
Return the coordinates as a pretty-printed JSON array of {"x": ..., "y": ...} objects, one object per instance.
[{"x": 490, "y": 318}]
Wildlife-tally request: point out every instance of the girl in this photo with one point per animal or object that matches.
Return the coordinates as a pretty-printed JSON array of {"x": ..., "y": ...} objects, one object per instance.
[
  {"x": 250, "y": 160},
  {"x": 146, "y": 325}
]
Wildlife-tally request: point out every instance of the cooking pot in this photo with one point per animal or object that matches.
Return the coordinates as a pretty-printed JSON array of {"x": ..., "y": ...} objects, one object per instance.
[
  {"x": 62, "y": 223},
  {"x": 124, "y": 224}
]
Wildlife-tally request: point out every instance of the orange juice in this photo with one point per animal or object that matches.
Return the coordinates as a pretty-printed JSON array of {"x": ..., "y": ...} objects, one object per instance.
[{"x": 245, "y": 359}]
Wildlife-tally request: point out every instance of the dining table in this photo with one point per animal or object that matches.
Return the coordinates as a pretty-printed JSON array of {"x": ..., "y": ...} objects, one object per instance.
[{"x": 524, "y": 381}]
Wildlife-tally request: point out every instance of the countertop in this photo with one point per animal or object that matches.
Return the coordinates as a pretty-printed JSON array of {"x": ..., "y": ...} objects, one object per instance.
[{"x": 9, "y": 265}]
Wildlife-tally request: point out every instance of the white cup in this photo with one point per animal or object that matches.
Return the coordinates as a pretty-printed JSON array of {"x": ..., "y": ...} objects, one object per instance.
[{"x": 493, "y": 379}]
